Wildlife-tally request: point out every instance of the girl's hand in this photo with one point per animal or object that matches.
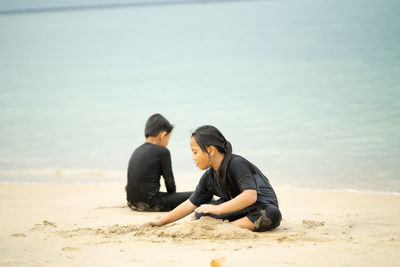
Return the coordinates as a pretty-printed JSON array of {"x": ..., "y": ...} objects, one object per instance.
[
  {"x": 192, "y": 217},
  {"x": 209, "y": 208},
  {"x": 154, "y": 223}
]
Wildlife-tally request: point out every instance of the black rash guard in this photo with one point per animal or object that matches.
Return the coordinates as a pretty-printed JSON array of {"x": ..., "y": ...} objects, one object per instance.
[
  {"x": 146, "y": 165},
  {"x": 241, "y": 175}
]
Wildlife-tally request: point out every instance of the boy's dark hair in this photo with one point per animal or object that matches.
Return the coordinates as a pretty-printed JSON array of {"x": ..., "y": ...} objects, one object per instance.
[{"x": 156, "y": 124}]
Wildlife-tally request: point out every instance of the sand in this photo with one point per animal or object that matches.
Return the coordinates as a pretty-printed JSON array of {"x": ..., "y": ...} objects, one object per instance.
[{"x": 90, "y": 225}]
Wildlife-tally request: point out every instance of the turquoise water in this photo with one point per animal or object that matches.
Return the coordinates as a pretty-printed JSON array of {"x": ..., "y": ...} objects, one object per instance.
[{"x": 309, "y": 91}]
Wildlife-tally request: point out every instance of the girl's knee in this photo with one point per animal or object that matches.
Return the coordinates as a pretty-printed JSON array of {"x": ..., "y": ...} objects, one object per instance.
[
  {"x": 268, "y": 219},
  {"x": 275, "y": 215}
]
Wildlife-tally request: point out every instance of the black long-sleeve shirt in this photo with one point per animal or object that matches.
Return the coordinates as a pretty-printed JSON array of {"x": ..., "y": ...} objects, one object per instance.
[
  {"x": 241, "y": 175},
  {"x": 146, "y": 165}
]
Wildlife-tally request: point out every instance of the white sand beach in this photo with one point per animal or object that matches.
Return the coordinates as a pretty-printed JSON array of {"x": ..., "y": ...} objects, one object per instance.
[{"x": 90, "y": 225}]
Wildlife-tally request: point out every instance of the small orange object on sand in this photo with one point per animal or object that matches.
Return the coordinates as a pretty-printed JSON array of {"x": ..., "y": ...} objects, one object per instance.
[{"x": 217, "y": 262}]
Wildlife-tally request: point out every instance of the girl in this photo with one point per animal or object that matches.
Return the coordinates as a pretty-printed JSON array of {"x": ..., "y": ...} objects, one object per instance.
[{"x": 247, "y": 199}]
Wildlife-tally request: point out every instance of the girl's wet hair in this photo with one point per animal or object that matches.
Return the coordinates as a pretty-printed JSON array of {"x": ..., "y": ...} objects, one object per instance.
[{"x": 209, "y": 135}]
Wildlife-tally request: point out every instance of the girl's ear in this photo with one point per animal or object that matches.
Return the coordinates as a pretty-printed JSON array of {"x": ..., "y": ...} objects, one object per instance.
[{"x": 211, "y": 150}]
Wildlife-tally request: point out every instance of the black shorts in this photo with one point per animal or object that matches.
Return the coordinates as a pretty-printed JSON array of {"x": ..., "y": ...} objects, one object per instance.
[{"x": 265, "y": 217}]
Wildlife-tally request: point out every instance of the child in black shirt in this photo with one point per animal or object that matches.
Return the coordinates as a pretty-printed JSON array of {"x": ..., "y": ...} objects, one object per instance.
[
  {"x": 247, "y": 199},
  {"x": 146, "y": 165}
]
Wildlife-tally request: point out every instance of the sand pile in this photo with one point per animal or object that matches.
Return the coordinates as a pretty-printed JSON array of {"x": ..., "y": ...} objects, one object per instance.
[{"x": 204, "y": 228}]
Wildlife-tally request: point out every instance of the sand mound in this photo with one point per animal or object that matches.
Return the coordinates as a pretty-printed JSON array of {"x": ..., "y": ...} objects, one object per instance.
[{"x": 204, "y": 228}]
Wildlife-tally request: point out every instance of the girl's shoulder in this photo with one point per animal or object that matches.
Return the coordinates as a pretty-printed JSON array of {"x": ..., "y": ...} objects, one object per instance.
[
  {"x": 236, "y": 159},
  {"x": 239, "y": 164}
]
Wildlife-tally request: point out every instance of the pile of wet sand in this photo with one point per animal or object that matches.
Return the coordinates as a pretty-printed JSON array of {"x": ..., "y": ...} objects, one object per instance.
[{"x": 204, "y": 228}]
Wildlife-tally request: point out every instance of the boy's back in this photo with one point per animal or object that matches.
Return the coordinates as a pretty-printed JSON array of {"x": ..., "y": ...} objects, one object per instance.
[{"x": 147, "y": 163}]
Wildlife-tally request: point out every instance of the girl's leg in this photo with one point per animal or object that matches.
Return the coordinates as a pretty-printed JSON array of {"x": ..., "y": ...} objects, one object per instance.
[
  {"x": 259, "y": 219},
  {"x": 265, "y": 218},
  {"x": 231, "y": 216},
  {"x": 237, "y": 218},
  {"x": 244, "y": 223}
]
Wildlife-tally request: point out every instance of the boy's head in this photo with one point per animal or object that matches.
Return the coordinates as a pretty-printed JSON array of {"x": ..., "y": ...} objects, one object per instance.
[{"x": 157, "y": 124}]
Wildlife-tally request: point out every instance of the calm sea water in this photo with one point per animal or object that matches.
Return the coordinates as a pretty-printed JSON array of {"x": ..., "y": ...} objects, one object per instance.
[{"x": 309, "y": 91}]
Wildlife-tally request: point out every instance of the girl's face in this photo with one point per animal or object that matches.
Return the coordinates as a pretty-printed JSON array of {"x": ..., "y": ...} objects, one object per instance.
[{"x": 200, "y": 158}]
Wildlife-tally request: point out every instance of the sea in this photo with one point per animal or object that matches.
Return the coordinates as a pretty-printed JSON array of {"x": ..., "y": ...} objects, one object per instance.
[{"x": 307, "y": 90}]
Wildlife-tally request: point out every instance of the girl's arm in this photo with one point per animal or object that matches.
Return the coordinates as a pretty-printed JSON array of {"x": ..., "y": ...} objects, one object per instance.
[
  {"x": 179, "y": 212},
  {"x": 241, "y": 201}
]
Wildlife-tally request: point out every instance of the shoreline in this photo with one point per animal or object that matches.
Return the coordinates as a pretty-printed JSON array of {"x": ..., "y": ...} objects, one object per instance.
[
  {"x": 185, "y": 180},
  {"x": 286, "y": 187},
  {"x": 63, "y": 225}
]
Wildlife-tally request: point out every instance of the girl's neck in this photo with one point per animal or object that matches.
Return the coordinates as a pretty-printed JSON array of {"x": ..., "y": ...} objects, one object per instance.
[{"x": 216, "y": 162}]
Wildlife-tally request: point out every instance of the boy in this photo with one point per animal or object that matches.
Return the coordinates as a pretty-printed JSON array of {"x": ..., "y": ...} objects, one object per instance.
[{"x": 147, "y": 163}]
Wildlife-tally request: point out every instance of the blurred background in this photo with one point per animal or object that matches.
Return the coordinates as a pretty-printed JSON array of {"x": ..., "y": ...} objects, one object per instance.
[{"x": 307, "y": 90}]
